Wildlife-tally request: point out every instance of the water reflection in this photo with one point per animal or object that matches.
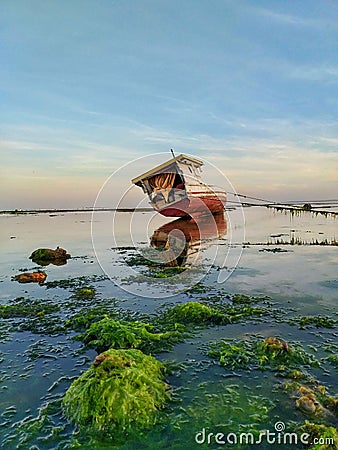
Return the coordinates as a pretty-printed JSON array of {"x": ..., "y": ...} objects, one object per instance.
[{"x": 180, "y": 240}]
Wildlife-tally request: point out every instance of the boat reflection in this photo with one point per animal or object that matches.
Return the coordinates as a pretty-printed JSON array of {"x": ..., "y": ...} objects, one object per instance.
[{"x": 179, "y": 241}]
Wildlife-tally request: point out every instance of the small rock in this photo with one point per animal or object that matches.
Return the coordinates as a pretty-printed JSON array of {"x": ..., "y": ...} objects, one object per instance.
[
  {"x": 31, "y": 277},
  {"x": 306, "y": 404},
  {"x": 44, "y": 256}
]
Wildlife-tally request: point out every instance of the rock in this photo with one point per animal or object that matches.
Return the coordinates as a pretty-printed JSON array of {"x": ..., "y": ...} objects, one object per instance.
[
  {"x": 122, "y": 389},
  {"x": 273, "y": 343},
  {"x": 307, "y": 404},
  {"x": 31, "y": 277},
  {"x": 44, "y": 256}
]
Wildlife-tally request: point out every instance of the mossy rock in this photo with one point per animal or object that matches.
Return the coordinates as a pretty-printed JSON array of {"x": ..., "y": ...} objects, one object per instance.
[
  {"x": 84, "y": 293},
  {"x": 325, "y": 436},
  {"x": 122, "y": 389},
  {"x": 195, "y": 313},
  {"x": 110, "y": 333},
  {"x": 269, "y": 354},
  {"x": 47, "y": 255}
]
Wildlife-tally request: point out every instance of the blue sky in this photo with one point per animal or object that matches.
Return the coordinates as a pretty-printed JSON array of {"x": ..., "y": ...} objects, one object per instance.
[{"x": 86, "y": 86}]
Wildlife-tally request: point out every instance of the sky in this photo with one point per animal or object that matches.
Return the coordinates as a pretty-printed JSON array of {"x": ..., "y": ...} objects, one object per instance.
[{"x": 88, "y": 86}]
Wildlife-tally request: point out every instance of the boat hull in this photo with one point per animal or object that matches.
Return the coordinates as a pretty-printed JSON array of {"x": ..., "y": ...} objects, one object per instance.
[{"x": 194, "y": 206}]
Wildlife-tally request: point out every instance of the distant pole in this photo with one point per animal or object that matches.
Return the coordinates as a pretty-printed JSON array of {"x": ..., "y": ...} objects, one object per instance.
[{"x": 172, "y": 152}]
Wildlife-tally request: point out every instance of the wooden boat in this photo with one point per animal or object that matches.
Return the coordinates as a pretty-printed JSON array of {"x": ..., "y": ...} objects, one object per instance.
[{"x": 175, "y": 189}]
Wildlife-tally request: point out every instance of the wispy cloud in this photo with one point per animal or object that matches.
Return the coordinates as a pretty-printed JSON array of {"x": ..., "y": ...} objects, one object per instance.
[{"x": 295, "y": 20}]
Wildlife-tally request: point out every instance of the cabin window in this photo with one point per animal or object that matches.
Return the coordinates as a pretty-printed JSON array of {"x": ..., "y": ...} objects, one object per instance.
[{"x": 163, "y": 184}]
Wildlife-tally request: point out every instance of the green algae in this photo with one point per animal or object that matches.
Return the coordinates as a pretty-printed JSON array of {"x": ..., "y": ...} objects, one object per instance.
[
  {"x": 260, "y": 354},
  {"x": 325, "y": 436},
  {"x": 312, "y": 399},
  {"x": 84, "y": 318},
  {"x": 198, "y": 288},
  {"x": 84, "y": 293},
  {"x": 37, "y": 316},
  {"x": 194, "y": 313},
  {"x": 215, "y": 311},
  {"x": 111, "y": 333},
  {"x": 333, "y": 359},
  {"x": 41, "y": 428},
  {"x": 155, "y": 268},
  {"x": 23, "y": 307},
  {"x": 138, "y": 260},
  {"x": 75, "y": 282},
  {"x": 167, "y": 272},
  {"x": 318, "y": 321},
  {"x": 123, "y": 389},
  {"x": 222, "y": 407}
]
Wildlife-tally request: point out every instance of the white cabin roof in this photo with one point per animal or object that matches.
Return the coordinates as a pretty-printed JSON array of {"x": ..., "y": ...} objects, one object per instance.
[{"x": 158, "y": 169}]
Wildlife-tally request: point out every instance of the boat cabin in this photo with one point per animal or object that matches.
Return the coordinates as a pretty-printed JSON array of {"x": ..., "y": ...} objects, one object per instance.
[{"x": 171, "y": 181}]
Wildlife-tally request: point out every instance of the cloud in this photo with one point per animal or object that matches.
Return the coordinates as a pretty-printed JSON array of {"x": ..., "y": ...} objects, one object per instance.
[{"x": 295, "y": 20}]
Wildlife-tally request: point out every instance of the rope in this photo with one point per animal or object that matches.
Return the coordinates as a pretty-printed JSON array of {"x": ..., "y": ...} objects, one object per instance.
[{"x": 287, "y": 204}]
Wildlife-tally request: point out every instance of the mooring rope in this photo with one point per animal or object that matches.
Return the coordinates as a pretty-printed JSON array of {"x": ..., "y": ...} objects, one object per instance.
[{"x": 298, "y": 205}]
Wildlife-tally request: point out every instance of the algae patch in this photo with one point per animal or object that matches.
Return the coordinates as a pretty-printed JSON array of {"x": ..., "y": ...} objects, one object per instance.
[
  {"x": 84, "y": 293},
  {"x": 318, "y": 321},
  {"x": 195, "y": 313},
  {"x": 22, "y": 307},
  {"x": 269, "y": 354},
  {"x": 325, "y": 436},
  {"x": 110, "y": 333},
  {"x": 121, "y": 389}
]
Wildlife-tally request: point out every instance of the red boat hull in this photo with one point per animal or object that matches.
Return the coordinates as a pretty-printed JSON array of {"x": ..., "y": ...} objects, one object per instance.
[{"x": 195, "y": 206}]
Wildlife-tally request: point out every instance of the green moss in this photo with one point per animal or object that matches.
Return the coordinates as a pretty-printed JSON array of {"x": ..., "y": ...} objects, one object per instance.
[
  {"x": 84, "y": 318},
  {"x": 241, "y": 299},
  {"x": 110, "y": 333},
  {"x": 318, "y": 321},
  {"x": 84, "y": 293},
  {"x": 154, "y": 267},
  {"x": 199, "y": 288},
  {"x": 260, "y": 354},
  {"x": 296, "y": 375},
  {"x": 333, "y": 359},
  {"x": 167, "y": 272},
  {"x": 122, "y": 389},
  {"x": 194, "y": 313},
  {"x": 214, "y": 312},
  {"x": 22, "y": 307},
  {"x": 138, "y": 260},
  {"x": 44, "y": 429},
  {"x": 48, "y": 254},
  {"x": 76, "y": 282},
  {"x": 327, "y": 437}
]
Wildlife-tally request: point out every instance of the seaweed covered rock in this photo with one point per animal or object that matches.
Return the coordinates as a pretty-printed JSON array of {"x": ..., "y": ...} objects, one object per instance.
[
  {"x": 31, "y": 277},
  {"x": 272, "y": 354},
  {"x": 84, "y": 293},
  {"x": 195, "y": 313},
  {"x": 110, "y": 333},
  {"x": 325, "y": 436},
  {"x": 45, "y": 256},
  {"x": 312, "y": 399},
  {"x": 123, "y": 388}
]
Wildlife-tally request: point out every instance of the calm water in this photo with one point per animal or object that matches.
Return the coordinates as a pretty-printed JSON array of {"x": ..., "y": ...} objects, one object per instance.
[{"x": 36, "y": 368}]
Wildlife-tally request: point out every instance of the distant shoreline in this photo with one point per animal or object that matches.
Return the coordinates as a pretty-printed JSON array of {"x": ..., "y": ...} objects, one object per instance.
[{"x": 75, "y": 210}]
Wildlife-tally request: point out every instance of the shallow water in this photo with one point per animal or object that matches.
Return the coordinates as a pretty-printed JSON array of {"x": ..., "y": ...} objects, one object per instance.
[{"x": 37, "y": 366}]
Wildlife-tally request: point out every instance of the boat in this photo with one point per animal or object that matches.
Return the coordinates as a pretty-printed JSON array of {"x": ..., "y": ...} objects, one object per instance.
[{"x": 175, "y": 189}]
